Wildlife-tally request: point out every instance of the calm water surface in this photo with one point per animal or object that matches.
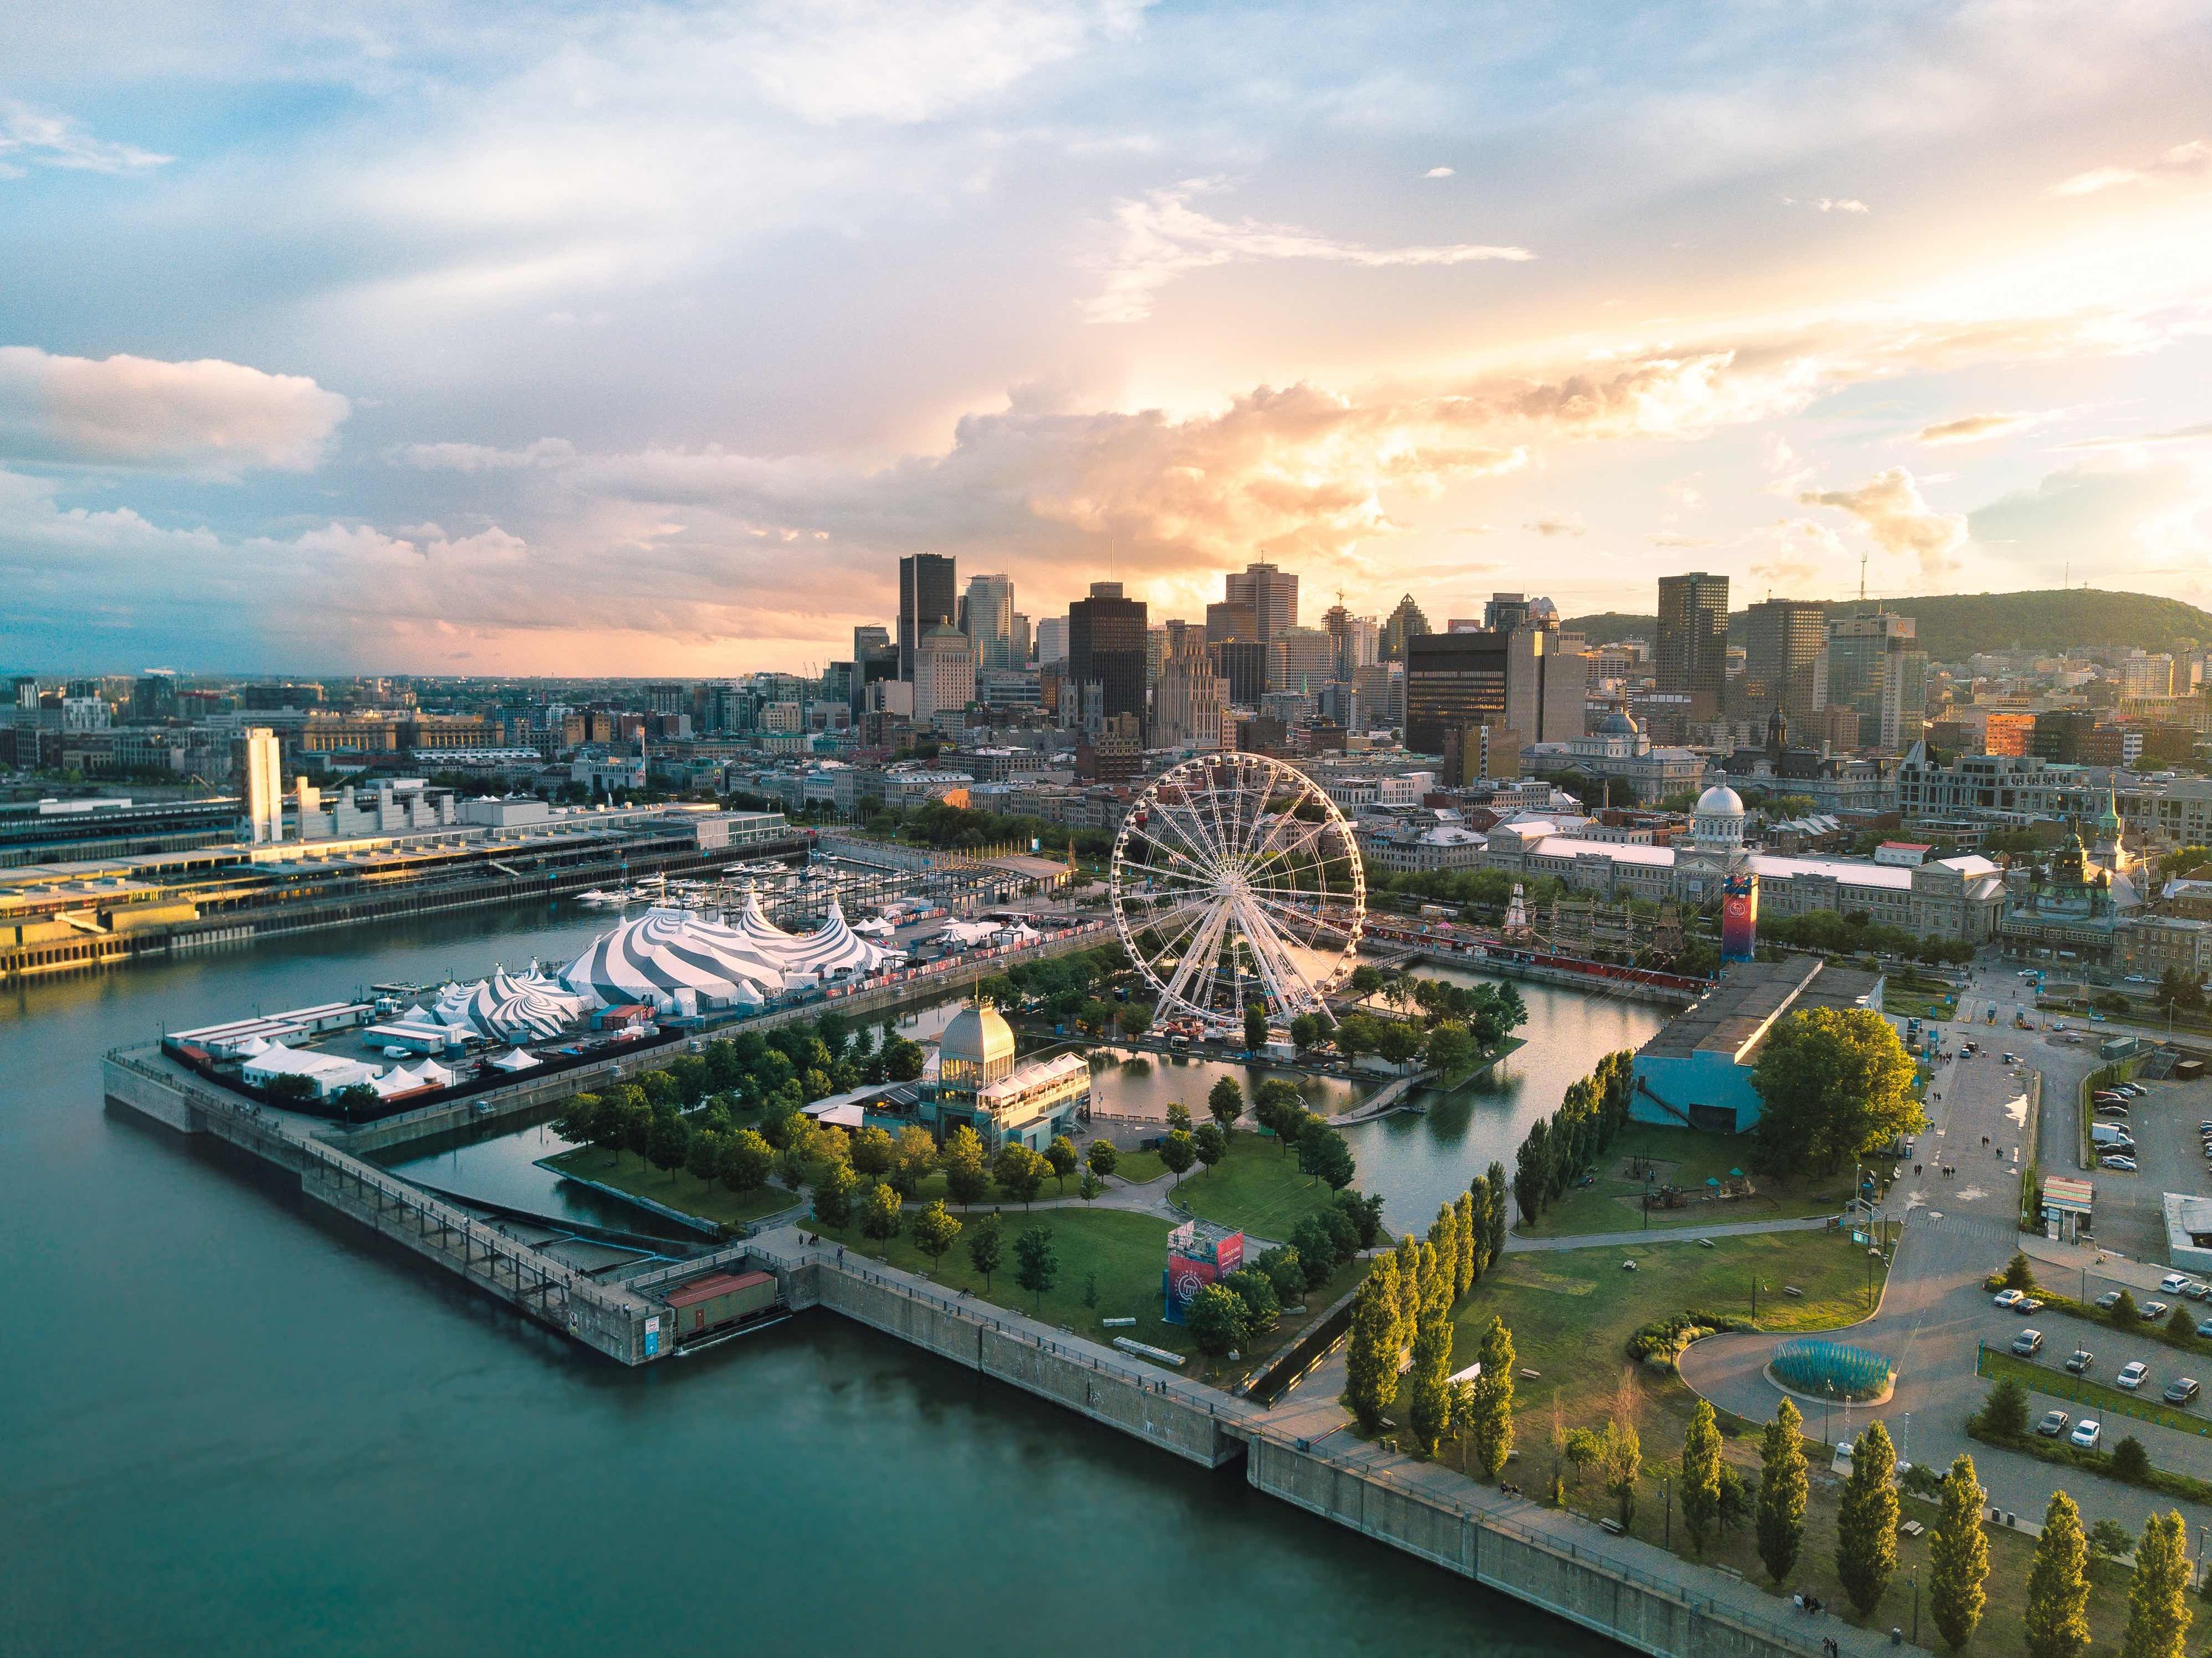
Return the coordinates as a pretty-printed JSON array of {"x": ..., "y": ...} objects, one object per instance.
[{"x": 229, "y": 1426}]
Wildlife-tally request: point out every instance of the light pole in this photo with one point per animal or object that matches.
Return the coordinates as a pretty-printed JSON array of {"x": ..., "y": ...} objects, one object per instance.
[{"x": 1915, "y": 1609}]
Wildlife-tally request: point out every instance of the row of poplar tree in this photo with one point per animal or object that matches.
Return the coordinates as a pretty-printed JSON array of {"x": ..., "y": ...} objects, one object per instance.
[{"x": 1561, "y": 1148}]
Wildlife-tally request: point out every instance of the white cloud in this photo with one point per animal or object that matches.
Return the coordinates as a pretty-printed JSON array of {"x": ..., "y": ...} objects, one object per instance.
[
  {"x": 29, "y": 136},
  {"x": 1439, "y": 172},
  {"x": 546, "y": 452},
  {"x": 1163, "y": 238},
  {"x": 1555, "y": 524},
  {"x": 1889, "y": 508},
  {"x": 2189, "y": 161},
  {"x": 1976, "y": 427},
  {"x": 208, "y": 417}
]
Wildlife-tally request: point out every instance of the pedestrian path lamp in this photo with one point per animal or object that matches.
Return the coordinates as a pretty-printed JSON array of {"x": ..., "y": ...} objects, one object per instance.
[{"x": 1915, "y": 1609}]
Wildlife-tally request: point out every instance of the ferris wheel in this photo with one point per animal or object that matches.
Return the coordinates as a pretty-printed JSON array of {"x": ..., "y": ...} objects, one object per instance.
[{"x": 1235, "y": 879}]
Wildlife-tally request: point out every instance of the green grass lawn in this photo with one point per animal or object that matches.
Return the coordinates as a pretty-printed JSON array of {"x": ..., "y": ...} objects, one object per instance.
[
  {"x": 1138, "y": 1167},
  {"x": 1686, "y": 1158},
  {"x": 1110, "y": 1263},
  {"x": 1257, "y": 1187},
  {"x": 679, "y": 1190}
]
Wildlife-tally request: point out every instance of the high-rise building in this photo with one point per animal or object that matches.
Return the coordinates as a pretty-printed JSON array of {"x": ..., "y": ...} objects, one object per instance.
[
  {"x": 1051, "y": 639},
  {"x": 1270, "y": 594},
  {"x": 1022, "y": 640},
  {"x": 926, "y": 598},
  {"x": 1228, "y": 621},
  {"x": 944, "y": 672},
  {"x": 1785, "y": 657},
  {"x": 874, "y": 636},
  {"x": 987, "y": 616},
  {"x": 155, "y": 698},
  {"x": 1545, "y": 682},
  {"x": 1504, "y": 612},
  {"x": 1353, "y": 642},
  {"x": 1693, "y": 640},
  {"x": 1406, "y": 622},
  {"x": 1190, "y": 702},
  {"x": 1382, "y": 688},
  {"x": 1301, "y": 659},
  {"x": 260, "y": 763},
  {"x": 1877, "y": 670},
  {"x": 1106, "y": 635},
  {"x": 1453, "y": 681},
  {"x": 1243, "y": 663}
]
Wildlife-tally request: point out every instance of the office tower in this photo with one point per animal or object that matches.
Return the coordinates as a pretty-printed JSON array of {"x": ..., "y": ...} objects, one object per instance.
[
  {"x": 1243, "y": 663},
  {"x": 1693, "y": 641},
  {"x": 1300, "y": 659},
  {"x": 944, "y": 672},
  {"x": 1785, "y": 657},
  {"x": 1505, "y": 613},
  {"x": 155, "y": 698},
  {"x": 1453, "y": 681},
  {"x": 1878, "y": 672},
  {"x": 1106, "y": 640},
  {"x": 1023, "y": 640},
  {"x": 1353, "y": 642},
  {"x": 1406, "y": 622},
  {"x": 1546, "y": 683},
  {"x": 261, "y": 764},
  {"x": 987, "y": 618},
  {"x": 925, "y": 597},
  {"x": 1382, "y": 688},
  {"x": 1228, "y": 621},
  {"x": 1271, "y": 595},
  {"x": 874, "y": 636},
  {"x": 1190, "y": 703},
  {"x": 1051, "y": 639}
]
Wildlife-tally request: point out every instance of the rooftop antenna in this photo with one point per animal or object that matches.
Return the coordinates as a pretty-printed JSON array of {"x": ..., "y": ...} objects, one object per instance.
[{"x": 1862, "y": 558}]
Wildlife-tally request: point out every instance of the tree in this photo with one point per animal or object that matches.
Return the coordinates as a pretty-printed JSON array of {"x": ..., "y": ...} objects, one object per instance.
[
  {"x": 1314, "y": 1244},
  {"x": 746, "y": 1161},
  {"x": 1459, "y": 1418},
  {"x": 1866, "y": 1521},
  {"x": 1620, "y": 1463},
  {"x": 2131, "y": 1461},
  {"x": 913, "y": 1159},
  {"x": 1263, "y": 1308},
  {"x": 902, "y": 1060},
  {"x": 2004, "y": 1412},
  {"x": 1019, "y": 1171},
  {"x": 1782, "y": 1484},
  {"x": 1135, "y": 1018},
  {"x": 1364, "y": 1215},
  {"x": 1325, "y": 1154},
  {"x": 1102, "y": 1156},
  {"x": 1464, "y": 1265},
  {"x": 669, "y": 1143},
  {"x": 610, "y": 1126},
  {"x": 1398, "y": 1042},
  {"x": 1428, "y": 1405},
  {"x": 984, "y": 1244},
  {"x": 2123, "y": 1315},
  {"x": 966, "y": 1180},
  {"x": 872, "y": 1152},
  {"x": 1224, "y": 1103},
  {"x": 1735, "y": 1499},
  {"x": 1959, "y": 1555},
  {"x": 1178, "y": 1151},
  {"x": 1701, "y": 1474},
  {"x": 1255, "y": 1026},
  {"x": 2182, "y": 1322},
  {"x": 1215, "y": 1319},
  {"x": 1089, "y": 1186},
  {"x": 833, "y": 1194},
  {"x": 1179, "y": 1117},
  {"x": 1060, "y": 1156},
  {"x": 934, "y": 1231},
  {"x": 2110, "y": 1538},
  {"x": 1306, "y": 1030},
  {"x": 1491, "y": 1433},
  {"x": 1282, "y": 1268},
  {"x": 1494, "y": 1188},
  {"x": 1211, "y": 1144},
  {"x": 1443, "y": 1232},
  {"x": 1833, "y": 1083},
  {"x": 2158, "y": 1611},
  {"x": 1036, "y": 1263},
  {"x": 1279, "y": 1109},
  {"x": 703, "y": 1158},
  {"x": 2057, "y": 1618},
  {"x": 1450, "y": 1050},
  {"x": 881, "y": 1216},
  {"x": 2018, "y": 1273},
  {"x": 1370, "y": 1360}
]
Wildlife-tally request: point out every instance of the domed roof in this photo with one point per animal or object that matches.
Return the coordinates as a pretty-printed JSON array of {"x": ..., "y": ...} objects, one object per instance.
[
  {"x": 1619, "y": 723},
  {"x": 977, "y": 1035},
  {"x": 1720, "y": 801}
]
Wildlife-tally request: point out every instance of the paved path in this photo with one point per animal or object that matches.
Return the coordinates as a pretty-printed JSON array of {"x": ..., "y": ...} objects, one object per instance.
[
  {"x": 1515, "y": 1244},
  {"x": 1934, "y": 1313}
]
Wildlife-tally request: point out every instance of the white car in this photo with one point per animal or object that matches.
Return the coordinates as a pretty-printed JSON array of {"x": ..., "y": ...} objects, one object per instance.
[
  {"x": 2174, "y": 1283},
  {"x": 2007, "y": 1298},
  {"x": 2132, "y": 1375},
  {"x": 2125, "y": 1164},
  {"x": 2085, "y": 1433}
]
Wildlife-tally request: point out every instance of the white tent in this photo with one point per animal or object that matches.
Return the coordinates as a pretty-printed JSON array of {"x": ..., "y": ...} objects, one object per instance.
[
  {"x": 515, "y": 1059},
  {"x": 328, "y": 1072}
]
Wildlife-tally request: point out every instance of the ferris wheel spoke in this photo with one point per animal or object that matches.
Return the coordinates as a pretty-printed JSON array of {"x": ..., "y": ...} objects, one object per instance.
[
  {"x": 1208, "y": 938},
  {"x": 1274, "y": 851},
  {"x": 1306, "y": 917},
  {"x": 1194, "y": 847},
  {"x": 1279, "y": 968},
  {"x": 1193, "y": 868},
  {"x": 1172, "y": 928},
  {"x": 1181, "y": 878}
]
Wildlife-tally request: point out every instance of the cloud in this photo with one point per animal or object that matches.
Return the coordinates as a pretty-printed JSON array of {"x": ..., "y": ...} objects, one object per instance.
[
  {"x": 30, "y": 137},
  {"x": 1439, "y": 172},
  {"x": 1670, "y": 540},
  {"x": 1555, "y": 524},
  {"x": 1889, "y": 508},
  {"x": 2196, "y": 434},
  {"x": 546, "y": 452},
  {"x": 1829, "y": 204},
  {"x": 209, "y": 417},
  {"x": 2189, "y": 161},
  {"x": 1162, "y": 238},
  {"x": 2160, "y": 506},
  {"x": 1974, "y": 429}
]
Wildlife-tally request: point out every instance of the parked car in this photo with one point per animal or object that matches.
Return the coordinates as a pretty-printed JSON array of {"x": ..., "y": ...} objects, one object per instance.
[
  {"x": 2133, "y": 1090},
  {"x": 2109, "y": 1300},
  {"x": 2026, "y": 1342},
  {"x": 2181, "y": 1390},
  {"x": 2085, "y": 1433},
  {"x": 2027, "y": 1304},
  {"x": 2007, "y": 1298},
  {"x": 2080, "y": 1360},
  {"x": 2132, "y": 1375},
  {"x": 2174, "y": 1283},
  {"x": 2054, "y": 1423},
  {"x": 2151, "y": 1311},
  {"x": 2118, "y": 1160}
]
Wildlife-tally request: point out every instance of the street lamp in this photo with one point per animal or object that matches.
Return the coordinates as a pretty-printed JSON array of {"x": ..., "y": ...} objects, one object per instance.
[{"x": 1915, "y": 1609}]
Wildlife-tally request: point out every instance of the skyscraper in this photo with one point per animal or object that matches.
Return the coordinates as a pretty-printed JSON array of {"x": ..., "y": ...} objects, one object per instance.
[
  {"x": 987, "y": 618},
  {"x": 1271, "y": 595},
  {"x": 1051, "y": 639},
  {"x": 1693, "y": 640},
  {"x": 1453, "y": 681},
  {"x": 944, "y": 673},
  {"x": 1876, "y": 669},
  {"x": 1547, "y": 679},
  {"x": 925, "y": 597},
  {"x": 1786, "y": 645},
  {"x": 872, "y": 637},
  {"x": 1106, "y": 643},
  {"x": 1406, "y": 622},
  {"x": 1504, "y": 612}
]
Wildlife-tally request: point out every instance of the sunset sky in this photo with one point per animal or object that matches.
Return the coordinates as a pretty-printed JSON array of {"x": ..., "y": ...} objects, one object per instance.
[{"x": 458, "y": 337}]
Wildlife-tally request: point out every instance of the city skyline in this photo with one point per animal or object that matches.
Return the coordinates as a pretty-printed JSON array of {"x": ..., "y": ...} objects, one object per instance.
[{"x": 481, "y": 341}]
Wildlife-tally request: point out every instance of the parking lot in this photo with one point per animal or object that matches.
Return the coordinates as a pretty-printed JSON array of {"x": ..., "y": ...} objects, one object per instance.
[
  {"x": 2131, "y": 1215},
  {"x": 2189, "y": 1450}
]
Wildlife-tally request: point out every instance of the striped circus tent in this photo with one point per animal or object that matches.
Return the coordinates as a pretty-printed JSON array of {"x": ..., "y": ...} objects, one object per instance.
[
  {"x": 660, "y": 955},
  {"x": 509, "y": 1006},
  {"x": 834, "y": 947}
]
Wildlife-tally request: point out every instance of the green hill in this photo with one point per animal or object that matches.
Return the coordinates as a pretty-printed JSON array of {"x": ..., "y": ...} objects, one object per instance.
[{"x": 1955, "y": 626}]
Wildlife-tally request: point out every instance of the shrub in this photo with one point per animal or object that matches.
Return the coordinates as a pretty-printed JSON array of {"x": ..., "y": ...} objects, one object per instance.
[{"x": 2131, "y": 1461}]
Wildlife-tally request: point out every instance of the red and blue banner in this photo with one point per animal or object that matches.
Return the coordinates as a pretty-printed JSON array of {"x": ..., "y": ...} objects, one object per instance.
[{"x": 1739, "y": 916}]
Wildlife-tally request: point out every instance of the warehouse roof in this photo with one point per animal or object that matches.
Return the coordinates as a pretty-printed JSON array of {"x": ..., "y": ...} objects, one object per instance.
[{"x": 1736, "y": 1014}]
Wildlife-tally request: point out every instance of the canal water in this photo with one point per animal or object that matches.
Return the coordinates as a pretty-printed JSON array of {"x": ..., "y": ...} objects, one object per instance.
[{"x": 230, "y": 1425}]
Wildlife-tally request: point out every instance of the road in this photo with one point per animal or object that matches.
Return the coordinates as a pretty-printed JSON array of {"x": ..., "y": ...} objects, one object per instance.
[{"x": 1959, "y": 1227}]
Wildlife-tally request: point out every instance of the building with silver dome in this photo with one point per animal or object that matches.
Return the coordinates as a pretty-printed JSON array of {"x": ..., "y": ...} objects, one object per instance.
[{"x": 977, "y": 1081}]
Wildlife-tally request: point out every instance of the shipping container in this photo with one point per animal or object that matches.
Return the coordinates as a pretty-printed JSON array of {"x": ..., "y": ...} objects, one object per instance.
[{"x": 718, "y": 1301}]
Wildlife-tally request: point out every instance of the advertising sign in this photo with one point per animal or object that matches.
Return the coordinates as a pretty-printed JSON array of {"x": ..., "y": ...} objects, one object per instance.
[
  {"x": 1739, "y": 916},
  {"x": 652, "y": 1337}
]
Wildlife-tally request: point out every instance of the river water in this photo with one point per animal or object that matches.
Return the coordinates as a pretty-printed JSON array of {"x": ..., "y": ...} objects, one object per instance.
[{"x": 230, "y": 1425}]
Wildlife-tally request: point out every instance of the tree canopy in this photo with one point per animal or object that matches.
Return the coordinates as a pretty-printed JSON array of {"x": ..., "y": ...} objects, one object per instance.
[{"x": 1833, "y": 1083}]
